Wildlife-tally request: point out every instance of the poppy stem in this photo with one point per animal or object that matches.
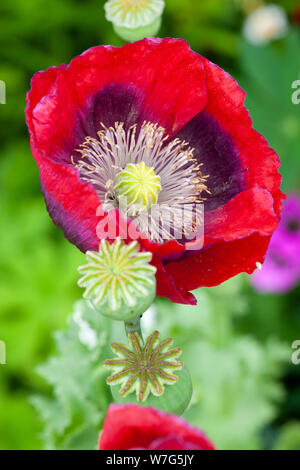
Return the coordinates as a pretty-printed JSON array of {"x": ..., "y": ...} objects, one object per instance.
[{"x": 134, "y": 325}]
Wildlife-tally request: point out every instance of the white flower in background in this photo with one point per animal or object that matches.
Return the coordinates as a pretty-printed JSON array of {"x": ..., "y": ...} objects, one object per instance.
[
  {"x": 148, "y": 319},
  {"x": 265, "y": 24},
  {"x": 135, "y": 19},
  {"x": 86, "y": 334}
]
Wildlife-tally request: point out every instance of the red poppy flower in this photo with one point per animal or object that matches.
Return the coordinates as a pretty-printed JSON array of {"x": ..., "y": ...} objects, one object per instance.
[
  {"x": 158, "y": 102},
  {"x": 133, "y": 427}
]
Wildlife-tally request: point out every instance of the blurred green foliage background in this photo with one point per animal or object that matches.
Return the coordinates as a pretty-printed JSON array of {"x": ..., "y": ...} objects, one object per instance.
[{"x": 237, "y": 343}]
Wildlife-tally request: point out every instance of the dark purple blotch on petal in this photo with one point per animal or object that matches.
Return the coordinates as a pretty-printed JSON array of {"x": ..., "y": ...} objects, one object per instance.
[
  {"x": 74, "y": 231},
  {"x": 114, "y": 103},
  {"x": 215, "y": 149}
]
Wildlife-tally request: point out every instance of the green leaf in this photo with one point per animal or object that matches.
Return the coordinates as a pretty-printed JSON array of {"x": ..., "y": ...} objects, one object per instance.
[
  {"x": 289, "y": 437},
  {"x": 80, "y": 394}
]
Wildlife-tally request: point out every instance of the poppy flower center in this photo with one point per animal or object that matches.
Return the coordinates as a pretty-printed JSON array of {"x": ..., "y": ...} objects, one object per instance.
[
  {"x": 151, "y": 179},
  {"x": 138, "y": 185}
]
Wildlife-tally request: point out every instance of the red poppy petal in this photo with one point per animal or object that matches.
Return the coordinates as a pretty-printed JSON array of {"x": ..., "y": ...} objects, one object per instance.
[
  {"x": 71, "y": 203},
  {"x": 250, "y": 211},
  {"x": 237, "y": 236},
  {"x": 166, "y": 287},
  {"x": 166, "y": 77},
  {"x": 132, "y": 426},
  {"x": 42, "y": 84},
  {"x": 166, "y": 73},
  {"x": 226, "y": 104},
  {"x": 246, "y": 222},
  {"x": 173, "y": 442},
  {"x": 216, "y": 152},
  {"x": 219, "y": 262},
  {"x": 163, "y": 81}
]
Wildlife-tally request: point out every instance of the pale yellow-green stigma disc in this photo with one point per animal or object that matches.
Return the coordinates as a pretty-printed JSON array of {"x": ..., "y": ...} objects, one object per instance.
[{"x": 137, "y": 186}]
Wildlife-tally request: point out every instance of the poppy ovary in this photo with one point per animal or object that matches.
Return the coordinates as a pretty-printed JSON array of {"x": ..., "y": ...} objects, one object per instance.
[{"x": 137, "y": 187}]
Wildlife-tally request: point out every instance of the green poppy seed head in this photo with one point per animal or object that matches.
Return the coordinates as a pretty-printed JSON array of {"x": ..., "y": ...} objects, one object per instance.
[
  {"x": 119, "y": 280},
  {"x": 133, "y": 14},
  {"x": 143, "y": 369},
  {"x": 135, "y": 19},
  {"x": 137, "y": 185}
]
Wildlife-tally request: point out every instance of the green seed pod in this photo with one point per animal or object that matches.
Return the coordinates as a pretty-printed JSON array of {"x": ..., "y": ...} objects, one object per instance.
[
  {"x": 118, "y": 280},
  {"x": 174, "y": 400},
  {"x": 135, "y": 19},
  {"x": 146, "y": 374},
  {"x": 136, "y": 34}
]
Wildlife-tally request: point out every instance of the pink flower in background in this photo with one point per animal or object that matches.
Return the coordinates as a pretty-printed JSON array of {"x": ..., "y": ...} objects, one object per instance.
[{"x": 281, "y": 270}]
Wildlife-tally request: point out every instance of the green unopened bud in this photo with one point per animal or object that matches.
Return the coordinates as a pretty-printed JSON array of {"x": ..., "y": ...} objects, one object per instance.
[
  {"x": 118, "y": 279},
  {"x": 135, "y": 19}
]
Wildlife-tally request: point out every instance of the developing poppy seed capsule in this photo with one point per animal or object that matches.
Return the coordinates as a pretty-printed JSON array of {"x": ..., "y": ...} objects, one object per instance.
[
  {"x": 135, "y": 19},
  {"x": 138, "y": 186},
  {"x": 175, "y": 399},
  {"x": 149, "y": 373},
  {"x": 118, "y": 279}
]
